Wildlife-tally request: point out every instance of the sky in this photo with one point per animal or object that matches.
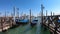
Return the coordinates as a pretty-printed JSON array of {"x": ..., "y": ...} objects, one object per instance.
[{"x": 25, "y": 5}]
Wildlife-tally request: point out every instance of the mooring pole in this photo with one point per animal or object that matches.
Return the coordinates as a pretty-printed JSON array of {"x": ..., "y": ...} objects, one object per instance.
[
  {"x": 42, "y": 13},
  {"x": 14, "y": 15},
  {"x": 1, "y": 22},
  {"x": 17, "y": 12},
  {"x": 51, "y": 17},
  {"x": 30, "y": 15},
  {"x": 46, "y": 12},
  {"x": 53, "y": 13}
]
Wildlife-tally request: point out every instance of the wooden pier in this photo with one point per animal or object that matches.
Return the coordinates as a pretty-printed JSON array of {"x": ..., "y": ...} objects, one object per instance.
[
  {"x": 51, "y": 22},
  {"x": 6, "y": 23}
]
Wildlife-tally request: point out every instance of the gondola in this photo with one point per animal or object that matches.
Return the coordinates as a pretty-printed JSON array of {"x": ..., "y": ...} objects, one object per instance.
[
  {"x": 34, "y": 22},
  {"x": 22, "y": 21}
]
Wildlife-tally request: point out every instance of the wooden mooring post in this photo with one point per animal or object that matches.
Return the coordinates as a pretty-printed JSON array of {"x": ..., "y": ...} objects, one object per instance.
[
  {"x": 30, "y": 15},
  {"x": 42, "y": 7}
]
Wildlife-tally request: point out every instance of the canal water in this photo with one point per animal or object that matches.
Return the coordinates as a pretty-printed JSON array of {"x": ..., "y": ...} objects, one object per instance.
[{"x": 27, "y": 29}]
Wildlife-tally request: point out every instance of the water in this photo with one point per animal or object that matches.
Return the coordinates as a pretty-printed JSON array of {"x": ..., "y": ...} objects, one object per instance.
[{"x": 27, "y": 29}]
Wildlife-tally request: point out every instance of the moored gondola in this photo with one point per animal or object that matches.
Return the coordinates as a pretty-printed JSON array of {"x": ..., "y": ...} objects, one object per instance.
[
  {"x": 22, "y": 21},
  {"x": 34, "y": 22}
]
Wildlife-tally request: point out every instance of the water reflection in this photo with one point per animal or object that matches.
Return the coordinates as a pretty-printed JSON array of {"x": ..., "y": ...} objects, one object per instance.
[{"x": 38, "y": 26}]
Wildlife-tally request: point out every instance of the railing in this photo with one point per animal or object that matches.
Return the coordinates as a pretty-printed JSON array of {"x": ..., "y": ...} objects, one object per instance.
[{"x": 51, "y": 26}]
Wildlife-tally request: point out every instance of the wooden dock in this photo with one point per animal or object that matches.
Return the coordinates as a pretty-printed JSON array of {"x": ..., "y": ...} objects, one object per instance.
[
  {"x": 51, "y": 22},
  {"x": 6, "y": 23}
]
